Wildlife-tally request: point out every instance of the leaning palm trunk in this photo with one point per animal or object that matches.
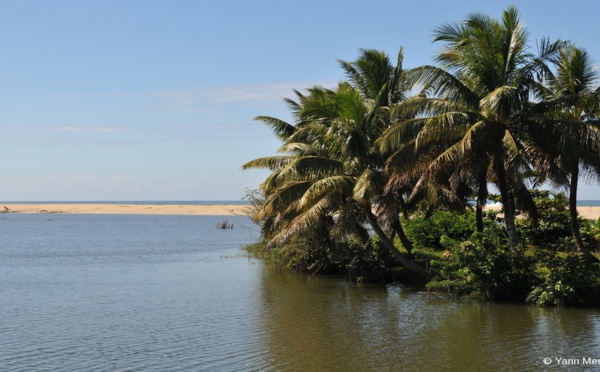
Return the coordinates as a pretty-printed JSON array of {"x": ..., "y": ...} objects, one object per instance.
[
  {"x": 481, "y": 199},
  {"x": 406, "y": 262},
  {"x": 508, "y": 205},
  {"x": 573, "y": 209},
  {"x": 479, "y": 215},
  {"x": 403, "y": 238}
]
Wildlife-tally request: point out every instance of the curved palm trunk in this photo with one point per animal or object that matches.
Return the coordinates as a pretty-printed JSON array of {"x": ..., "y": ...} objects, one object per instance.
[
  {"x": 406, "y": 262},
  {"x": 573, "y": 209},
  {"x": 406, "y": 243},
  {"x": 481, "y": 199},
  {"x": 508, "y": 204},
  {"x": 403, "y": 208},
  {"x": 479, "y": 215}
]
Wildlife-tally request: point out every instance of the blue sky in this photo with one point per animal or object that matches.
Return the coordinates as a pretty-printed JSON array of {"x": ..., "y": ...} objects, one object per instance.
[{"x": 155, "y": 100}]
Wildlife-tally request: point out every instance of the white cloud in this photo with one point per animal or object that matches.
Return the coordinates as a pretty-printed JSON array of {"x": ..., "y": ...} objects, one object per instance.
[
  {"x": 86, "y": 129},
  {"x": 211, "y": 100}
]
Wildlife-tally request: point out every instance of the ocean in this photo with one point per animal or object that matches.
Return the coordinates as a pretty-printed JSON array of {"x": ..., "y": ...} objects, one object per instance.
[{"x": 588, "y": 203}]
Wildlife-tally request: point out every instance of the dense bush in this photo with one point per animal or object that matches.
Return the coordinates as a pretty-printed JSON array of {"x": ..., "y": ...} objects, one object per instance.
[
  {"x": 485, "y": 266},
  {"x": 566, "y": 280},
  {"x": 310, "y": 251},
  {"x": 553, "y": 225},
  {"x": 358, "y": 262},
  {"x": 369, "y": 263},
  {"x": 430, "y": 232}
]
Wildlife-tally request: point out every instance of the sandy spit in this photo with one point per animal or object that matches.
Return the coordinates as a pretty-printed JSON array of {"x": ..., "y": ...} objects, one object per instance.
[
  {"x": 206, "y": 210},
  {"x": 592, "y": 213}
]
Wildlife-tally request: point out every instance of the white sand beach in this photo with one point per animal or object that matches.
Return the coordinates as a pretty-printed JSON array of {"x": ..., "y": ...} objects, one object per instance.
[
  {"x": 592, "y": 213},
  {"x": 207, "y": 210},
  {"x": 214, "y": 209}
]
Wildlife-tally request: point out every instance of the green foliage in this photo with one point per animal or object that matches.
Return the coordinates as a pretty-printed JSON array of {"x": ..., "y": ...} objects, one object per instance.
[
  {"x": 484, "y": 265},
  {"x": 359, "y": 262},
  {"x": 567, "y": 281},
  {"x": 369, "y": 262},
  {"x": 553, "y": 229},
  {"x": 443, "y": 226},
  {"x": 590, "y": 231},
  {"x": 255, "y": 198},
  {"x": 547, "y": 202},
  {"x": 310, "y": 252}
]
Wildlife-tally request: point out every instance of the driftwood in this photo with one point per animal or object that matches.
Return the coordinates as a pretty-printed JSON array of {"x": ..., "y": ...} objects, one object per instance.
[{"x": 225, "y": 225}]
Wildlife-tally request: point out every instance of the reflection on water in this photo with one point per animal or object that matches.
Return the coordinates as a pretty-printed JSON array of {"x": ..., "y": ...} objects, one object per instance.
[
  {"x": 173, "y": 293},
  {"x": 327, "y": 324}
]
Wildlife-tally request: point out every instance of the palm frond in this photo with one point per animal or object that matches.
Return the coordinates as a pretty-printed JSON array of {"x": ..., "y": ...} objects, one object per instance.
[
  {"x": 368, "y": 185},
  {"x": 270, "y": 162},
  {"x": 280, "y": 128},
  {"x": 325, "y": 186}
]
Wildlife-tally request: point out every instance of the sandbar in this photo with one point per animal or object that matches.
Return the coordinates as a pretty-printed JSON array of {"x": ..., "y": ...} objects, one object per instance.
[
  {"x": 592, "y": 213},
  {"x": 205, "y": 210},
  {"x": 179, "y": 209}
]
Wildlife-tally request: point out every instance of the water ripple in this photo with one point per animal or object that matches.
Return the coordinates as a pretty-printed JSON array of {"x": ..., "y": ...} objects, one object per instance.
[{"x": 139, "y": 293}]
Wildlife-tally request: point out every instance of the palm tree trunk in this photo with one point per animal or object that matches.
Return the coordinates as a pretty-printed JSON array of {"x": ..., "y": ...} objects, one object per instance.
[
  {"x": 406, "y": 262},
  {"x": 403, "y": 208},
  {"x": 508, "y": 205},
  {"x": 429, "y": 211},
  {"x": 573, "y": 209},
  {"x": 406, "y": 243},
  {"x": 481, "y": 199}
]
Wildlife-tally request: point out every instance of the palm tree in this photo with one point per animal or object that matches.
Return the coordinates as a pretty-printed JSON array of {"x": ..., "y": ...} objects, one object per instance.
[
  {"x": 474, "y": 103},
  {"x": 376, "y": 78},
  {"x": 332, "y": 170},
  {"x": 571, "y": 134},
  {"x": 381, "y": 82}
]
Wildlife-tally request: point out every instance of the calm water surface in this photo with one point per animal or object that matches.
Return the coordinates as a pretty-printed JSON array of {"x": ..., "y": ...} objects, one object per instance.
[{"x": 174, "y": 293}]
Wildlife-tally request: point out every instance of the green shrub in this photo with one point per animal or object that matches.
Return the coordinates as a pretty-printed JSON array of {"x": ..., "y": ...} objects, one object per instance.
[
  {"x": 485, "y": 266},
  {"x": 553, "y": 230},
  {"x": 312, "y": 252},
  {"x": 567, "y": 281},
  {"x": 369, "y": 263},
  {"x": 590, "y": 233},
  {"x": 428, "y": 233}
]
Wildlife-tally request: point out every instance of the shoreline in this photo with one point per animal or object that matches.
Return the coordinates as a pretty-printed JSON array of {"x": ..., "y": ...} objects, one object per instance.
[
  {"x": 589, "y": 212},
  {"x": 171, "y": 209}
]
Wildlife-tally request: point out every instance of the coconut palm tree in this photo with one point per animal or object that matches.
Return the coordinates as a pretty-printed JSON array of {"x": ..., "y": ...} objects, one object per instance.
[
  {"x": 332, "y": 170},
  {"x": 474, "y": 103},
  {"x": 376, "y": 78},
  {"x": 569, "y": 132},
  {"x": 380, "y": 81}
]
